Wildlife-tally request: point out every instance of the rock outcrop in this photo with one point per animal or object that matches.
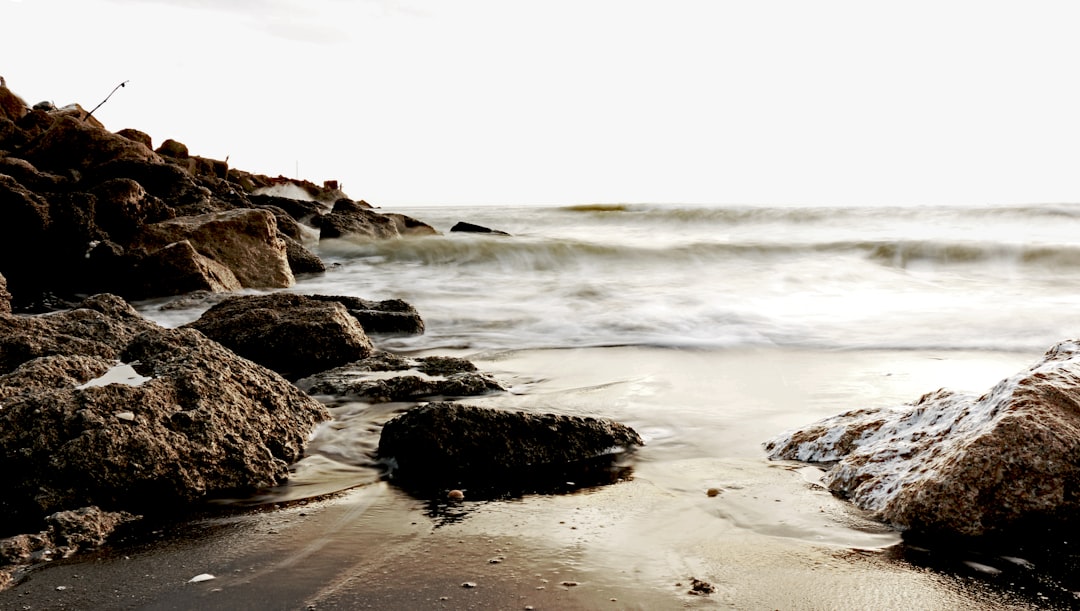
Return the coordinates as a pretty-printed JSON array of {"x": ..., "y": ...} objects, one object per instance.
[
  {"x": 292, "y": 334},
  {"x": 416, "y": 379},
  {"x": 956, "y": 463},
  {"x": 355, "y": 219},
  {"x": 466, "y": 227},
  {"x": 5, "y": 296},
  {"x": 386, "y": 317},
  {"x": 183, "y": 420},
  {"x": 451, "y": 445}
]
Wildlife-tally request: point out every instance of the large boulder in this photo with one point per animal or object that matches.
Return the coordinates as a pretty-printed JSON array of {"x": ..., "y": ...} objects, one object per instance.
[
  {"x": 355, "y": 219},
  {"x": 451, "y": 445},
  {"x": 186, "y": 419},
  {"x": 386, "y": 317},
  {"x": 71, "y": 143},
  {"x": 291, "y": 334},
  {"x": 12, "y": 107},
  {"x": 243, "y": 240},
  {"x": 957, "y": 463},
  {"x": 415, "y": 379},
  {"x": 178, "y": 269}
]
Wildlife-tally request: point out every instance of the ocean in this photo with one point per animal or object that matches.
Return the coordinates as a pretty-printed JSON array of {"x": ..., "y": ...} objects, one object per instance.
[{"x": 710, "y": 329}]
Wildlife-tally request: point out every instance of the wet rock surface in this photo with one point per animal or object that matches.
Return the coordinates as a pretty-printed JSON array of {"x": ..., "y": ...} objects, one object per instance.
[
  {"x": 291, "y": 334},
  {"x": 197, "y": 420},
  {"x": 437, "y": 446},
  {"x": 1002, "y": 463},
  {"x": 417, "y": 378}
]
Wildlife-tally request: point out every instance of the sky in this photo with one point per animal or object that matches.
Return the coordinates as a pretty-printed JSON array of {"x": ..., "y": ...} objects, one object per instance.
[{"x": 585, "y": 101}]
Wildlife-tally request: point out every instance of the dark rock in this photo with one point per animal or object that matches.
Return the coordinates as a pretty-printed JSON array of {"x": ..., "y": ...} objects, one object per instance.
[
  {"x": 30, "y": 177},
  {"x": 449, "y": 445},
  {"x": 408, "y": 226},
  {"x": 213, "y": 168},
  {"x": 956, "y": 463},
  {"x": 5, "y": 296},
  {"x": 123, "y": 207},
  {"x": 177, "y": 269},
  {"x": 67, "y": 532},
  {"x": 137, "y": 136},
  {"x": 387, "y": 317},
  {"x": 72, "y": 143},
  {"x": 347, "y": 219},
  {"x": 285, "y": 222},
  {"x": 172, "y": 148},
  {"x": 422, "y": 378},
  {"x": 301, "y": 260},
  {"x": 101, "y": 327},
  {"x": 300, "y": 210},
  {"x": 291, "y": 334},
  {"x": 244, "y": 240},
  {"x": 165, "y": 181},
  {"x": 462, "y": 226}
]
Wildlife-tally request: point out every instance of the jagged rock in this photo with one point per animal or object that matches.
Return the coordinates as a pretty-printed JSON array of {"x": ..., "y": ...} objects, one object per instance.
[
  {"x": 70, "y": 143},
  {"x": 123, "y": 207},
  {"x": 420, "y": 378},
  {"x": 387, "y": 317},
  {"x": 202, "y": 421},
  {"x": 162, "y": 180},
  {"x": 464, "y": 227},
  {"x": 957, "y": 463},
  {"x": 244, "y": 240},
  {"x": 291, "y": 334},
  {"x": 67, "y": 532},
  {"x": 100, "y": 326},
  {"x": 450, "y": 445},
  {"x": 5, "y": 296},
  {"x": 300, "y": 210}
]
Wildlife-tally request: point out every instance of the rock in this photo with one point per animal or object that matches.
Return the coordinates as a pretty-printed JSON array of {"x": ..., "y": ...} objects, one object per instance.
[
  {"x": 300, "y": 210},
  {"x": 420, "y": 378},
  {"x": 387, "y": 317},
  {"x": 165, "y": 181},
  {"x": 137, "y": 136},
  {"x": 12, "y": 107},
  {"x": 204, "y": 422},
  {"x": 956, "y": 463},
  {"x": 244, "y": 240},
  {"x": 348, "y": 219},
  {"x": 172, "y": 148},
  {"x": 464, "y": 227},
  {"x": 30, "y": 177},
  {"x": 67, "y": 532},
  {"x": 291, "y": 334},
  {"x": 450, "y": 445},
  {"x": 408, "y": 226},
  {"x": 5, "y": 296},
  {"x": 123, "y": 206},
  {"x": 301, "y": 260},
  {"x": 101, "y": 326},
  {"x": 178, "y": 269},
  {"x": 70, "y": 143}
]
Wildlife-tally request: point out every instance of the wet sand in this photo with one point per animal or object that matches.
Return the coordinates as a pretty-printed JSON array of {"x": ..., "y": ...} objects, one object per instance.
[{"x": 771, "y": 539}]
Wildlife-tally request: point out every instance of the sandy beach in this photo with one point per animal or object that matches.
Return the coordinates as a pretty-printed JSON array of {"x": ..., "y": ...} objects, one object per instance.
[{"x": 770, "y": 539}]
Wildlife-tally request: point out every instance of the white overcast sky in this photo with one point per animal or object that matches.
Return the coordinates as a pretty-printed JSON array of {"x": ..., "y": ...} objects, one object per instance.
[{"x": 553, "y": 101}]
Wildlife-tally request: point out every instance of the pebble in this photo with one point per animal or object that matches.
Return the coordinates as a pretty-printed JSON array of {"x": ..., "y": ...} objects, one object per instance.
[
  {"x": 455, "y": 495},
  {"x": 201, "y": 577},
  {"x": 712, "y": 491},
  {"x": 469, "y": 584},
  {"x": 569, "y": 584}
]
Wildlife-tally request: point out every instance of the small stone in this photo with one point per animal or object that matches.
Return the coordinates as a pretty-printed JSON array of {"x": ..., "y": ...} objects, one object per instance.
[
  {"x": 125, "y": 416},
  {"x": 455, "y": 495},
  {"x": 469, "y": 584},
  {"x": 700, "y": 588},
  {"x": 201, "y": 577},
  {"x": 569, "y": 584},
  {"x": 712, "y": 492},
  {"x": 495, "y": 560},
  {"x": 61, "y": 588}
]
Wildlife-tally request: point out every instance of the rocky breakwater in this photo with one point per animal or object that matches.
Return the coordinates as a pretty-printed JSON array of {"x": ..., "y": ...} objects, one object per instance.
[
  {"x": 440, "y": 447},
  {"x": 104, "y": 415},
  {"x": 87, "y": 211},
  {"x": 1004, "y": 463}
]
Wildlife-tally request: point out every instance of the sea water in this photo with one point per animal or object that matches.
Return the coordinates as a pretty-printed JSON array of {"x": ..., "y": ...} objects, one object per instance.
[{"x": 709, "y": 329}]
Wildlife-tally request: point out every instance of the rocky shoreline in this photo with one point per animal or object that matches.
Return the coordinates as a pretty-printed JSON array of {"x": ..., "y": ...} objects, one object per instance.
[{"x": 106, "y": 417}]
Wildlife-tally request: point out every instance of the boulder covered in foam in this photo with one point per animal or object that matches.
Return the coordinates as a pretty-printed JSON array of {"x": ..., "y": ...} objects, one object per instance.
[{"x": 957, "y": 463}]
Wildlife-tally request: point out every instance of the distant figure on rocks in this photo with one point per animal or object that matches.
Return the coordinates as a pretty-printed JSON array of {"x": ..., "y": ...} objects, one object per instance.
[{"x": 3, "y": 83}]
